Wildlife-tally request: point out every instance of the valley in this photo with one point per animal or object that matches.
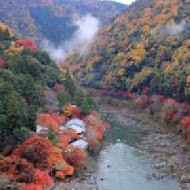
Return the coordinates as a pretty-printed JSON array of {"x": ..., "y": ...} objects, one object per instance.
[
  {"x": 94, "y": 95},
  {"x": 135, "y": 149}
]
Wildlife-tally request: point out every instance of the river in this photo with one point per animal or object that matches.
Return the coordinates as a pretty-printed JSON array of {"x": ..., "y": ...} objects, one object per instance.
[
  {"x": 136, "y": 154},
  {"x": 122, "y": 166}
]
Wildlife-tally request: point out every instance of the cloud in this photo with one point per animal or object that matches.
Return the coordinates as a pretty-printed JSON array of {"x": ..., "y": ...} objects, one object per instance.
[
  {"x": 176, "y": 29},
  {"x": 88, "y": 26},
  {"x": 127, "y": 2}
]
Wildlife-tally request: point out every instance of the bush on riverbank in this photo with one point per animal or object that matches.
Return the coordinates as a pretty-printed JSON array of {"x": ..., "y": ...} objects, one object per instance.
[
  {"x": 38, "y": 156},
  {"x": 161, "y": 108},
  {"x": 95, "y": 130},
  {"x": 34, "y": 90}
]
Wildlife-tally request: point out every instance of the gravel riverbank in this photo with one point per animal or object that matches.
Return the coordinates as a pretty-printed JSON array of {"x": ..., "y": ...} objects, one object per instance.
[{"x": 168, "y": 154}]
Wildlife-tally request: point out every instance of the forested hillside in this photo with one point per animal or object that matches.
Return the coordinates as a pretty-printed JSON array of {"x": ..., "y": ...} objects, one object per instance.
[
  {"x": 146, "y": 48},
  {"x": 30, "y": 82},
  {"x": 37, "y": 97},
  {"x": 54, "y": 19}
]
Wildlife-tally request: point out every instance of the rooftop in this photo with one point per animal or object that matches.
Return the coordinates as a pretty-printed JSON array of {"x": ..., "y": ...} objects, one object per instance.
[
  {"x": 75, "y": 121},
  {"x": 80, "y": 144}
]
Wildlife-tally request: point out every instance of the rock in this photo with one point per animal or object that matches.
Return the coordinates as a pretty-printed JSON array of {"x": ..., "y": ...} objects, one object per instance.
[
  {"x": 185, "y": 179},
  {"x": 187, "y": 186},
  {"x": 160, "y": 165},
  {"x": 158, "y": 176},
  {"x": 91, "y": 181}
]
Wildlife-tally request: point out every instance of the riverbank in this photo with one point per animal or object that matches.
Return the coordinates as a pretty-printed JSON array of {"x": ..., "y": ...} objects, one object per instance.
[
  {"x": 168, "y": 153},
  {"x": 163, "y": 149},
  {"x": 84, "y": 179}
]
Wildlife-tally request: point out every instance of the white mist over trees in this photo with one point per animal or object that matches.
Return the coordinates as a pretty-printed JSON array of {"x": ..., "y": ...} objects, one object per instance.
[
  {"x": 88, "y": 26},
  {"x": 176, "y": 29}
]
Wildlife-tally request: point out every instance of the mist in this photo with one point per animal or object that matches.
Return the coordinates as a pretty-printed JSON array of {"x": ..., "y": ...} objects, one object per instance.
[
  {"x": 88, "y": 26},
  {"x": 176, "y": 29}
]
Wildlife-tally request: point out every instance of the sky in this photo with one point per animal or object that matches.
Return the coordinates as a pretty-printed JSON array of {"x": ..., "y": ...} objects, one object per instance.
[{"x": 124, "y": 1}]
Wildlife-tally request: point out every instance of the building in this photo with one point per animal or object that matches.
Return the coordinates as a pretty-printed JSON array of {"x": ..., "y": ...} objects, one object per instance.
[
  {"x": 76, "y": 124},
  {"x": 40, "y": 130},
  {"x": 80, "y": 144}
]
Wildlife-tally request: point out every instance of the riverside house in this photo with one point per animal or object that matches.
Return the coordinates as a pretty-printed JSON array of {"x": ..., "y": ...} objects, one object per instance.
[{"x": 76, "y": 124}]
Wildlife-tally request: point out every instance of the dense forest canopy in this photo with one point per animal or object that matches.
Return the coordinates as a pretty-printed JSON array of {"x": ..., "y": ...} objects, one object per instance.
[
  {"x": 54, "y": 20},
  {"x": 37, "y": 98},
  {"x": 30, "y": 82},
  {"x": 146, "y": 47}
]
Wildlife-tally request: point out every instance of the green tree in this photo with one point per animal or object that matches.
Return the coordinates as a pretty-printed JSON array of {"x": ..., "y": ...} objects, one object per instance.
[{"x": 63, "y": 98}]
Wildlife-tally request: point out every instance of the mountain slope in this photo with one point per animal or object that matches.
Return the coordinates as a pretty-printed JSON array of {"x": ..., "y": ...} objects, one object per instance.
[
  {"x": 30, "y": 83},
  {"x": 146, "y": 47},
  {"x": 53, "y": 19}
]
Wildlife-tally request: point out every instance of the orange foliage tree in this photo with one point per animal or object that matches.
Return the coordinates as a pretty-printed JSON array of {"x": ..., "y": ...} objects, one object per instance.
[
  {"x": 17, "y": 169},
  {"x": 186, "y": 124},
  {"x": 52, "y": 120},
  {"x": 66, "y": 137},
  {"x": 42, "y": 180},
  {"x": 95, "y": 130},
  {"x": 71, "y": 111},
  {"x": 74, "y": 156},
  {"x": 43, "y": 155}
]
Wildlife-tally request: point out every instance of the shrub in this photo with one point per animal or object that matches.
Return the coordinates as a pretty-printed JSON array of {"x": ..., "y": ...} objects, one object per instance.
[
  {"x": 186, "y": 122},
  {"x": 71, "y": 111},
  {"x": 51, "y": 120},
  {"x": 17, "y": 169},
  {"x": 66, "y": 137},
  {"x": 42, "y": 154},
  {"x": 2, "y": 63},
  {"x": 74, "y": 156},
  {"x": 142, "y": 101},
  {"x": 27, "y": 44},
  {"x": 43, "y": 179},
  {"x": 36, "y": 151}
]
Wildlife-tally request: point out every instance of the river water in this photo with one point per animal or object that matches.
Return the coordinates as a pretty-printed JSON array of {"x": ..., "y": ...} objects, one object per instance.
[{"x": 121, "y": 166}]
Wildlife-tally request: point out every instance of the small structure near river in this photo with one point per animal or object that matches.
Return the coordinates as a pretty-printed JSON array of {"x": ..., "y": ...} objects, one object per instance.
[
  {"x": 80, "y": 144},
  {"x": 75, "y": 124}
]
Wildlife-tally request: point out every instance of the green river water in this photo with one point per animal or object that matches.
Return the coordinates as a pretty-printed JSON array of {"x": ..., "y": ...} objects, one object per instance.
[{"x": 121, "y": 166}]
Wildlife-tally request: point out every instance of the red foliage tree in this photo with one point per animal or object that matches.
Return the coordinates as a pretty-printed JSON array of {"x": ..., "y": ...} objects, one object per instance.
[
  {"x": 186, "y": 122},
  {"x": 95, "y": 130},
  {"x": 42, "y": 178},
  {"x": 146, "y": 90},
  {"x": 31, "y": 186},
  {"x": 143, "y": 101},
  {"x": 17, "y": 169},
  {"x": 2, "y": 63},
  {"x": 100, "y": 129},
  {"x": 42, "y": 154},
  {"x": 66, "y": 137},
  {"x": 36, "y": 151},
  {"x": 59, "y": 87},
  {"x": 71, "y": 111},
  {"x": 74, "y": 156},
  {"x": 27, "y": 44},
  {"x": 52, "y": 120},
  {"x": 186, "y": 109},
  {"x": 172, "y": 117}
]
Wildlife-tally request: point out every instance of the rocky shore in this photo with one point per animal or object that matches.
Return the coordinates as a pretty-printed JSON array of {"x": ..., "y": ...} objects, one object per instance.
[
  {"x": 85, "y": 179},
  {"x": 168, "y": 153}
]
